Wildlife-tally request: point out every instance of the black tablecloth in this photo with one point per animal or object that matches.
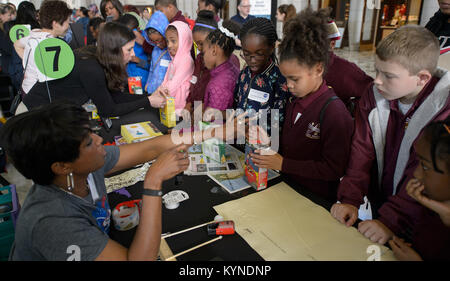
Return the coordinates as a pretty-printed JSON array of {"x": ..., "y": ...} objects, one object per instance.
[{"x": 196, "y": 210}]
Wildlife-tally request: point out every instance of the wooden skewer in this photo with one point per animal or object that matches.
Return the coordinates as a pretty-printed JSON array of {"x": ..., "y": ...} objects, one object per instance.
[
  {"x": 193, "y": 248},
  {"x": 187, "y": 229}
]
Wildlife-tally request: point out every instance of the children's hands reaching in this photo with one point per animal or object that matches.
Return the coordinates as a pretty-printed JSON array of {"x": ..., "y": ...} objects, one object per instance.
[
  {"x": 345, "y": 213},
  {"x": 270, "y": 159},
  {"x": 158, "y": 98},
  {"x": 415, "y": 189},
  {"x": 403, "y": 251},
  {"x": 376, "y": 231}
]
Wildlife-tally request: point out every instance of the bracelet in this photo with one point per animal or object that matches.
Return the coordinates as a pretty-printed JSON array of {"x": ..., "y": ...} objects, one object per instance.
[{"x": 152, "y": 192}]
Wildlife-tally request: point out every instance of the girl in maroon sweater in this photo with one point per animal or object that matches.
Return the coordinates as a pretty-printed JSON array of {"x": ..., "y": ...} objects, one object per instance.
[
  {"x": 314, "y": 149},
  {"x": 431, "y": 188}
]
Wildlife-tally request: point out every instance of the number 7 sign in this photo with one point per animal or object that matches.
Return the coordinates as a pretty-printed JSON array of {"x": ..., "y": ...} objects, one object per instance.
[{"x": 54, "y": 58}]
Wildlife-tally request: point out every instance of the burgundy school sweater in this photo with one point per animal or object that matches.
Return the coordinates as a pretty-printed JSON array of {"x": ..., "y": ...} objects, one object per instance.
[
  {"x": 395, "y": 208},
  {"x": 316, "y": 155},
  {"x": 346, "y": 78}
]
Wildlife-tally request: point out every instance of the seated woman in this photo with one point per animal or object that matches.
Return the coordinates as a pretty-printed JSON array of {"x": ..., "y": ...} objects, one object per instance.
[
  {"x": 99, "y": 75},
  {"x": 67, "y": 205}
]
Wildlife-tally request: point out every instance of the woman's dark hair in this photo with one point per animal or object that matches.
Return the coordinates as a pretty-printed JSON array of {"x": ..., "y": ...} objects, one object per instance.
[
  {"x": 85, "y": 11},
  {"x": 217, "y": 4},
  {"x": 438, "y": 133},
  {"x": 262, "y": 27},
  {"x": 306, "y": 38},
  {"x": 112, "y": 37},
  {"x": 53, "y": 10},
  {"x": 288, "y": 10},
  {"x": 129, "y": 20},
  {"x": 116, "y": 4},
  {"x": 26, "y": 14},
  {"x": 226, "y": 43},
  {"x": 205, "y": 20},
  {"x": 36, "y": 139}
]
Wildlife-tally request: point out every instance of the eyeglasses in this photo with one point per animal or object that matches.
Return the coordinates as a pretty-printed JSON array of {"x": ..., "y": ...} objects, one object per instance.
[
  {"x": 158, "y": 42},
  {"x": 257, "y": 57}
]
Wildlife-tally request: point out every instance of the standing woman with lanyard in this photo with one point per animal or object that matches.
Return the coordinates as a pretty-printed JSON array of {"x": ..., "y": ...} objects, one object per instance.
[{"x": 99, "y": 75}]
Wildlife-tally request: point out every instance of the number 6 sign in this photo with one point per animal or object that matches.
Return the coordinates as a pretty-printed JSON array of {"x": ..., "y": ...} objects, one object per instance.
[
  {"x": 54, "y": 58},
  {"x": 19, "y": 31}
]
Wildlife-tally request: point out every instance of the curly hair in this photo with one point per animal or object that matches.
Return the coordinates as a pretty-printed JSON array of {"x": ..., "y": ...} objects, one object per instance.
[
  {"x": 306, "y": 38},
  {"x": 226, "y": 43},
  {"x": 53, "y": 10}
]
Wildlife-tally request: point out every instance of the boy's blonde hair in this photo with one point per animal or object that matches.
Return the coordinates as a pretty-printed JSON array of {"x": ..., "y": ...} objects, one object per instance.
[{"x": 413, "y": 47}]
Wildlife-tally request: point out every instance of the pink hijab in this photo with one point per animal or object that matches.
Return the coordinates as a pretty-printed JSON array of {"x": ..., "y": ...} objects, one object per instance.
[{"x": 179, "y": 73}]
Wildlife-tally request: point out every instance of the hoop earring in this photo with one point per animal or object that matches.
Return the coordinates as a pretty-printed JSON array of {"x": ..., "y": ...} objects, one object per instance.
[{"x": 70, "y": 182}]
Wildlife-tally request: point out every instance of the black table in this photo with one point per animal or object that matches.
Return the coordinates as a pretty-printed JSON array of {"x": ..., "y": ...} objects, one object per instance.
[{"x": 196, "y": 210}]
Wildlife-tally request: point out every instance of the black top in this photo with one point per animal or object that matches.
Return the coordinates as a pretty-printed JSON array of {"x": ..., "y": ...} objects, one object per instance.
[
  {"x": 440, "y": 26},
  {"x": 86, "y": 81}
]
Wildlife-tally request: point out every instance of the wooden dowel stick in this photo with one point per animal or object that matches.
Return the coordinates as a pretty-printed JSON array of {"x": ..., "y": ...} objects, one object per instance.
[
  {"x": 186, "y": 230},
  {"x": 193, "y": 248}
]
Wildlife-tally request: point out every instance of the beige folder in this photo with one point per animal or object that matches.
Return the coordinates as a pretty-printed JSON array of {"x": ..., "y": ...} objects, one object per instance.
[{"x": 282, "y": 225}]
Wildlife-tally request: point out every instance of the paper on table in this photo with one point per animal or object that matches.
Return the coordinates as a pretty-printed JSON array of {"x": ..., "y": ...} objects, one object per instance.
[{"x": 280, "y": 224}]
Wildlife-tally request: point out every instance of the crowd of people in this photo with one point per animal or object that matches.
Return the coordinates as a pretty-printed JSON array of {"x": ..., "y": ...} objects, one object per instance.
[{"x": 343, "y": 135}]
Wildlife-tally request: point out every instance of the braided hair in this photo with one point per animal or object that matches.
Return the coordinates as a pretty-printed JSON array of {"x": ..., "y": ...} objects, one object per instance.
[
  {"x": 438, "y": 133},
  {"x": 306, "y": 38},
  {"x": 262, "y": 27},
  {"x": 224, "y": 41}
]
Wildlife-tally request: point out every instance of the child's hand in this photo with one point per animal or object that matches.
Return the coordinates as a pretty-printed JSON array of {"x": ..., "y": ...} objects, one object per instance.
[
  {"x": 139, "y": 38},
  {"x": 270, "y": 160},
  {"x": 157, "y": 100},
  {"x": 258, "y": 135},
  {"x": 403, "y": 251},
  {"x": 415, "y": 189},
  {"x": 376, "y": 231},
  {"x": 345, "y": 213}
]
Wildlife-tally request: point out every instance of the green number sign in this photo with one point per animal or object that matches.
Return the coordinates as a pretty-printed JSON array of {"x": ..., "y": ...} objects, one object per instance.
[
  {"x": 54, "y": 58},
  {"x": 19, "y": 31}
]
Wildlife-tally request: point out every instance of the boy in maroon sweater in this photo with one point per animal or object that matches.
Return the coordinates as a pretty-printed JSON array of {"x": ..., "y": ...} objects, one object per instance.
[
  {"x": 314, "y": 149},
  {"x": 406, "y": 95}
]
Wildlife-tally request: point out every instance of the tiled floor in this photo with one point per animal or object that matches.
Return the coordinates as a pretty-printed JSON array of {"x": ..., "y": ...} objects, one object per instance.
[{"x": 365, "y": 60}]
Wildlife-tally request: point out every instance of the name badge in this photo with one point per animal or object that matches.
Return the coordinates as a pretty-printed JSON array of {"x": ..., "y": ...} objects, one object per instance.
[
  {"x": 258, "y": 96},
  {"x": 164, "y": 63}
]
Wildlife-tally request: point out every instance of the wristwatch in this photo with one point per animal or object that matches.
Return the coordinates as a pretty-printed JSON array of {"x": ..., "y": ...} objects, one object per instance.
[{"x": 152, "y": 192}]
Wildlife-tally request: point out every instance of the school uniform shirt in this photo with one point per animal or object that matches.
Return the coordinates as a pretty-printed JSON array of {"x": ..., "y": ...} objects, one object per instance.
[
  {"x": 199, "y": 81},
  {"x": 267, "y": 90},
  {"x": 220, "y": 89},
  {"x": 346, "y": 78},
  {"x": 431, "y": 238},
  {"x": 383, "y": 156},
  {"x": 315, "y": 155},
  {"x": 53, "y": 222}
]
